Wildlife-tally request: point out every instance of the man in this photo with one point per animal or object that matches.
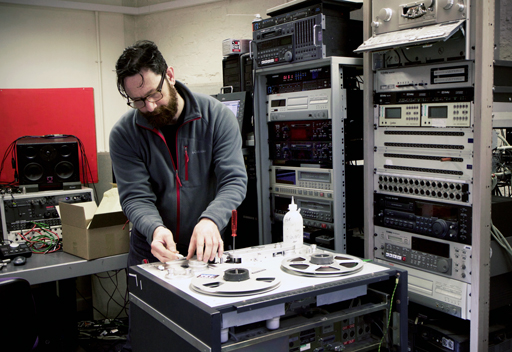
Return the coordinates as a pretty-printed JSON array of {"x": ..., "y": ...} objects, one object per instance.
[{"x": 177, "y": 160}]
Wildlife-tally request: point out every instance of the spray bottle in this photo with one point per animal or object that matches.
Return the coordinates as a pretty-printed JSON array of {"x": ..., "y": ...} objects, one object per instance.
[{"x": 293, "y": 229}]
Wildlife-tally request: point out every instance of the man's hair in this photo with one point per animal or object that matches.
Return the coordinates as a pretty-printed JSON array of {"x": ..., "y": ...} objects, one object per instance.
[{"x": 144, "y": 54}]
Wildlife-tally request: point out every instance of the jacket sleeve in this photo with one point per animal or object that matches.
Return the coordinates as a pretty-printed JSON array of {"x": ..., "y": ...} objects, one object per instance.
[
  {"x": 136, "y": 195},
  {"x": 228, "y": 164}
]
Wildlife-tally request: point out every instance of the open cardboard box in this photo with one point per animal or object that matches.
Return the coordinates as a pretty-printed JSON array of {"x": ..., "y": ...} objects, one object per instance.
[{"x": 89, "y": 234}]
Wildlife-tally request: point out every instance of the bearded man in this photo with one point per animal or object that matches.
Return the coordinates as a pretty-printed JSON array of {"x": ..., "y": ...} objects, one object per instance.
[{"x": 177, "y": 159}]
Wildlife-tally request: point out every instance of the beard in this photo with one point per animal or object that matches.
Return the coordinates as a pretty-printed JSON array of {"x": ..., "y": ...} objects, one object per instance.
[{"x": 166, "y": 114}]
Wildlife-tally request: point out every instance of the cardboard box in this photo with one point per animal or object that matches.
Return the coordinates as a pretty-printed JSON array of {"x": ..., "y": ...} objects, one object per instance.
[{"x": 89, "y": 235}]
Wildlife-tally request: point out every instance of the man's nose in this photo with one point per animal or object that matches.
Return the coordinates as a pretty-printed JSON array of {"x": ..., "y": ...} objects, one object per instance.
[{"x": 150, "y": 106}]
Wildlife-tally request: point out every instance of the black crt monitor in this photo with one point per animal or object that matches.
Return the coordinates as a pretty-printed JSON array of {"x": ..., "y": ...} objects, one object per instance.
[{"x": 240, "y": 103}]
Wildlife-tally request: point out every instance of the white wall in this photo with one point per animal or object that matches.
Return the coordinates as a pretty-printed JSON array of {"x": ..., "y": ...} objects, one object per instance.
[
  {"x": 191, "y": 38},
  {"x": 58, "y": 48},
  {"x": 45, "y": 47}
]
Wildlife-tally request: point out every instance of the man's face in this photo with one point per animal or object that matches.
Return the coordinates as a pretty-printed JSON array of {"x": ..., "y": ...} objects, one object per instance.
[{"x": 159, "y": 113}]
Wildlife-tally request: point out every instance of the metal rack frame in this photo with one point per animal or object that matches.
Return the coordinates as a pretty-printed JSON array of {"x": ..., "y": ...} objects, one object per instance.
[
  {"x": 339, "y": 111},
  {"x": 480, "y": 49}
]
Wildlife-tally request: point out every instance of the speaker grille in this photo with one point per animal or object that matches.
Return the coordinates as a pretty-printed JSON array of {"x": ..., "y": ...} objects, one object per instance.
[{"x": 48, "y": 162}]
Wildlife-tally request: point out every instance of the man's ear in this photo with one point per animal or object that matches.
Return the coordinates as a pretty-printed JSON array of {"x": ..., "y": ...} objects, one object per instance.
[{"x": 170, "y": 75}]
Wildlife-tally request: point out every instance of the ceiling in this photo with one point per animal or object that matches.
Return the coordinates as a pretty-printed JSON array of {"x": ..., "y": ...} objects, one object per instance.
[{"x": 101, "y": 6}]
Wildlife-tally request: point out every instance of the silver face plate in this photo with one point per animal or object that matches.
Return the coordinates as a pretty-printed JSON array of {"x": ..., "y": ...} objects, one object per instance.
[{"x": 394, "y": 15}]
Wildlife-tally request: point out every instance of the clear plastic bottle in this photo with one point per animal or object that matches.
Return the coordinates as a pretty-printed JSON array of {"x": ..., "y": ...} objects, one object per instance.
[{"x": 293, "y": 229}]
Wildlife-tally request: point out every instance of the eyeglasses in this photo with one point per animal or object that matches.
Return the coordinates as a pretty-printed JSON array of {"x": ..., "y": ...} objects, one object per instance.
[{"x": 152, "y": 98}]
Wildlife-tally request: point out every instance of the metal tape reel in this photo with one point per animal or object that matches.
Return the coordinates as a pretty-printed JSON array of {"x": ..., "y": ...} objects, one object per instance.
[
  {"x": 322, "y": 264},
  {"x": 235, "y": 281}
]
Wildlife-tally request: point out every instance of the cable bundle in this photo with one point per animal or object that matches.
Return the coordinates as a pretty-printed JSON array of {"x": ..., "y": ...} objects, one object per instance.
[
  {"x": 41, "y": 240},
  {"x": 502, "y": 241}
]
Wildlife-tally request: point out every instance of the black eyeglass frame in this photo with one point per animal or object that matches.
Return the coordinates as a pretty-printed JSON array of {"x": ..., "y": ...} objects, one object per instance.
[{"x": 130, "y": 101}]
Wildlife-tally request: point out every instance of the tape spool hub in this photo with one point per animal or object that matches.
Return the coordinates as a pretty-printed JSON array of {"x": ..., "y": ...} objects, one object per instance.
[
  {"x": 322, "y": 259},
  {"x": 236, "y": 274}
]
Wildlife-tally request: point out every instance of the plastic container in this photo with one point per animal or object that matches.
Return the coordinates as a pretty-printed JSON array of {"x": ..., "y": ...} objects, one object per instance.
[
  {"x": 293, "y": 228},
  {"x": 256, "y": 22}
]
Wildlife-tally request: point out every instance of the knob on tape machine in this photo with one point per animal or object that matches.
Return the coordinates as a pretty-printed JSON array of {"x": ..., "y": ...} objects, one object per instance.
[
  {"x": 385, "y": 14},
  {"x": 447, "y": 4},
  {"x": 440, "y": 228},
  {"x": 443, "y": 265}
]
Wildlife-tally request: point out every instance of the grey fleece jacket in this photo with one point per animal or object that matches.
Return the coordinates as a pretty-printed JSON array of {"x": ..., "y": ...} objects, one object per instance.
[{"x": 208, "y": 179}]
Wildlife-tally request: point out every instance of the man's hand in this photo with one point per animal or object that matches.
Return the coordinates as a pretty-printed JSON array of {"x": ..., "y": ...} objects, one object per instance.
[
  {"x": 206, "y": 241},
  {"x": 163, "y": 246}
]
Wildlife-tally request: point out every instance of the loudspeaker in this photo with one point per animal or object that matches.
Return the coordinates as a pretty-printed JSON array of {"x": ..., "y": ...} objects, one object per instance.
[{"x": 48, "y": 163}]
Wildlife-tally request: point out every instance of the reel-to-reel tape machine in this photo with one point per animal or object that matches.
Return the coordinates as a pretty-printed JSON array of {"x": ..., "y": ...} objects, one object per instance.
[
  {"x": 256, "y": 298},
  {"x": 228, "y": 279}
]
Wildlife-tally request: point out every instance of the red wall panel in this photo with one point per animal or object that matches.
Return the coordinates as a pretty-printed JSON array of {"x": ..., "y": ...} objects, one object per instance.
[{"x": 38, "y": 112}]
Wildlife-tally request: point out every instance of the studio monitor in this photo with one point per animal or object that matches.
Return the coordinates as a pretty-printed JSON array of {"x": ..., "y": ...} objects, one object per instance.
[{"x": 48, "y": 163}]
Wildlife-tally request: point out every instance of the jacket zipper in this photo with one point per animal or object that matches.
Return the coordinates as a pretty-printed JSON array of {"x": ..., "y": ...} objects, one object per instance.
[
  {"x": 186, "y": 178},
  {"x": 178, "y": 181},
  {"x": 186, "y": 163}
]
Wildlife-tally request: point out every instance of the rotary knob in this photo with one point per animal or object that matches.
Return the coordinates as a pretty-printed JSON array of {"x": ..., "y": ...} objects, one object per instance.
[
  {"x": 288, "y": 56},
  {"x": 443, "y": 266},
  {"x": 440, "y": 228},
  {"x": 385, "y": 14},
  {"x": 446, "y": 4}
]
